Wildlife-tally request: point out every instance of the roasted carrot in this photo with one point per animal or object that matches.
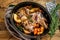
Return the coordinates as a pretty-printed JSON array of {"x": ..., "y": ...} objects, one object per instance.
[{"x": 35, "y": 31}]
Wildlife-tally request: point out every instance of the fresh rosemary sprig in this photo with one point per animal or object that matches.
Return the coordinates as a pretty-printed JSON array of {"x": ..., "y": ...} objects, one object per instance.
[{"x": 55, "y": 20}]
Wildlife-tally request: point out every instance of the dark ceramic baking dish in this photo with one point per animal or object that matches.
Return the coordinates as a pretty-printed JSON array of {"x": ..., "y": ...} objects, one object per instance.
[{"x": 33, "y": 4}]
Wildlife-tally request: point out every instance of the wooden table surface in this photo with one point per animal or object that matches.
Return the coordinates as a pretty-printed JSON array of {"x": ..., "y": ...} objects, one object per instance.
[{"x": 4, "y": 34}]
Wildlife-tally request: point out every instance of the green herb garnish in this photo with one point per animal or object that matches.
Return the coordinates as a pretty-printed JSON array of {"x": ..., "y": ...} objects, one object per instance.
[
  {"x": 31, "y": 20},
  {"x": 20, "y": 28},
  {"x": 55, "y": 20}
]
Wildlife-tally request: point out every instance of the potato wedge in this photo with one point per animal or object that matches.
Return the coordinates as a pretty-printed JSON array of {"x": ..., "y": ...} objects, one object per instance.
[
  {"x": 16, "y": 19},
  {"x": 26, "y": 31}
]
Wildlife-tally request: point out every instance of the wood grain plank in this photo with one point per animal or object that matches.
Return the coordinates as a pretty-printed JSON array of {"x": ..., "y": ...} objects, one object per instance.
[{"x": 4, "y": 34}]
